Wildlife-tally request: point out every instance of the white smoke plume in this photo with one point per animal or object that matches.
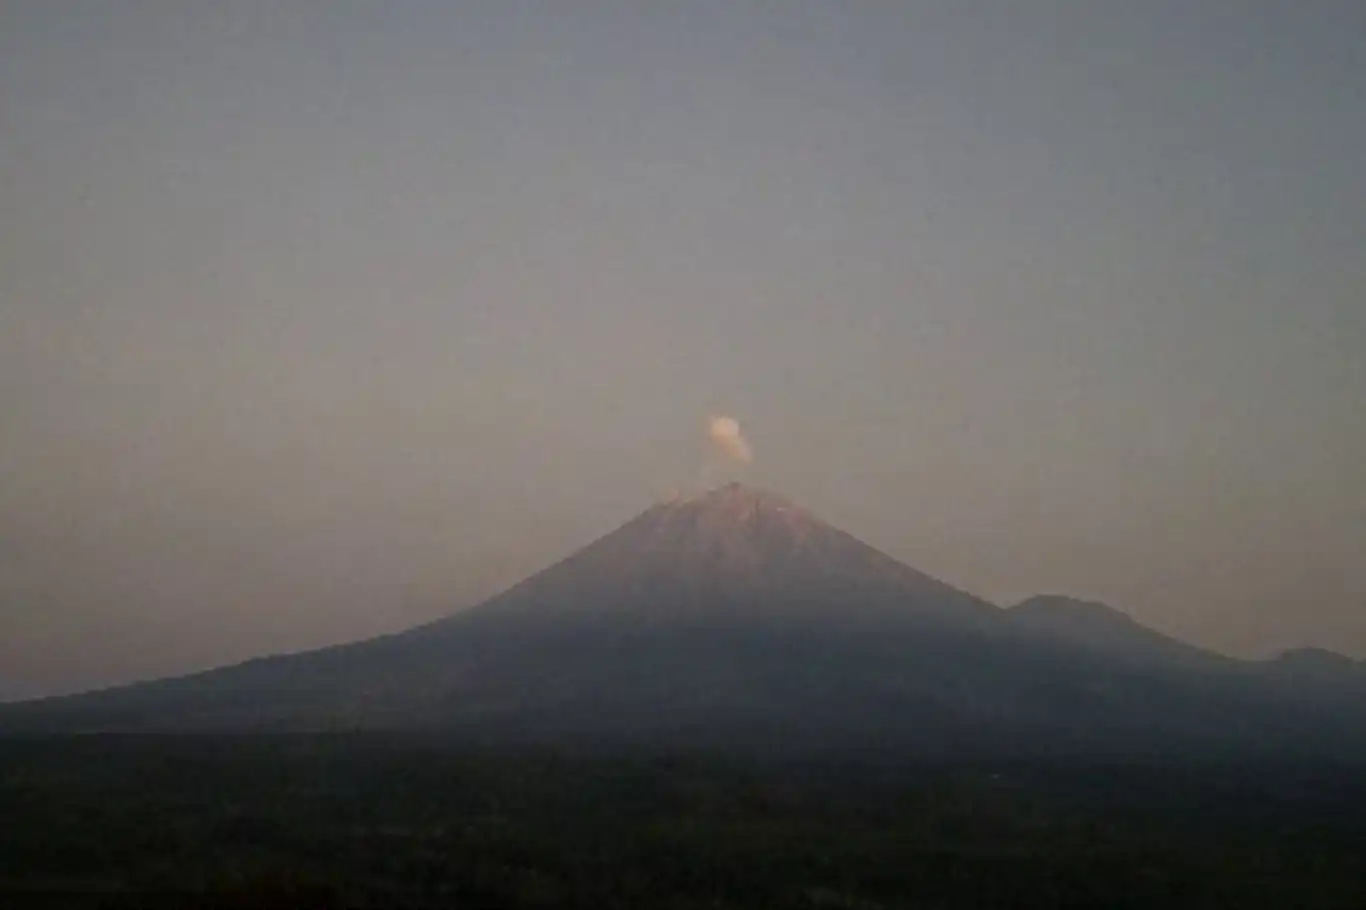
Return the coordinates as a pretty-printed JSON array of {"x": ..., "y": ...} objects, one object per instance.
[{"x": 726, "y": 438}]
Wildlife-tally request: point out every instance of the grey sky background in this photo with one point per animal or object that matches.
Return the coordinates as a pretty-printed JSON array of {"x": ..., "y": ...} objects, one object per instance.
[{"x": 319, "y": 320}]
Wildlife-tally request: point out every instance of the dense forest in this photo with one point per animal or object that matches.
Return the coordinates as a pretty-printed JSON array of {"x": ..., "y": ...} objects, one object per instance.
[{"x": 369, "y": 821}]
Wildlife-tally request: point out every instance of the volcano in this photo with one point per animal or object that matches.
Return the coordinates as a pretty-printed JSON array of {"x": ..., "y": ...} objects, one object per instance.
[
  {"x": 735, "y": 555},
  {"x": 738, "y": 620}
]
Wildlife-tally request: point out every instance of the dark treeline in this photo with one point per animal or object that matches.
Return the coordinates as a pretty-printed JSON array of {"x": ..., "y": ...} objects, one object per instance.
[{"x": 369, "y": 821}]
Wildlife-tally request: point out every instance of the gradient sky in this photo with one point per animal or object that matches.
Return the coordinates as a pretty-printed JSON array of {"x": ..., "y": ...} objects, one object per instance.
[{"x": 320, "y": 320}]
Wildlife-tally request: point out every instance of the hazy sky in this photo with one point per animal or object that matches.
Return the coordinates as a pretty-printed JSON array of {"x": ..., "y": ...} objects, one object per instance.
[{"x": 321, "y": 320}]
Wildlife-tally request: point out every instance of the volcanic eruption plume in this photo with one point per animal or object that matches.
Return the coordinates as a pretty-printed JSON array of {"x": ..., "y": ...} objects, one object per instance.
[{"x": 726, "y": 438}]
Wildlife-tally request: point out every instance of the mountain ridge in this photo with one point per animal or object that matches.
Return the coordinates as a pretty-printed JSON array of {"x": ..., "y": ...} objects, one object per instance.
[{"x": 737, "y": 620}]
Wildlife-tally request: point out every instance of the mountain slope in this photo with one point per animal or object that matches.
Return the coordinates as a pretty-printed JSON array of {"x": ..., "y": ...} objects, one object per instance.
[
  {"x": 736, "y": 620},
  {"x": 695, "y": 602}
]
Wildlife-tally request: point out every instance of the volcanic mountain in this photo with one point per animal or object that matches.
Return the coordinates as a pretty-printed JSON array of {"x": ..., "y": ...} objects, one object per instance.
[
  {"x": 736, "y": 555},
  {"x": 737, "y": 620}
]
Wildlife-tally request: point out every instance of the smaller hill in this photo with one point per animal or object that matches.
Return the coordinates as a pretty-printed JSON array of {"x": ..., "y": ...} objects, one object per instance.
[
  {"x": 1105, "y": 631},
  {"x": 1318, "y": 669}
]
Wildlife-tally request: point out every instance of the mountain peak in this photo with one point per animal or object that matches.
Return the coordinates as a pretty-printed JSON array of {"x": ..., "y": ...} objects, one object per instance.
[
  {"x": 1315, "y": 658},
  {"x": 726, "y": 519},
  {"x": 734, "y": 497},
  {"x": 1060, "y": 609},
  {"x": 736, "y": 550}
]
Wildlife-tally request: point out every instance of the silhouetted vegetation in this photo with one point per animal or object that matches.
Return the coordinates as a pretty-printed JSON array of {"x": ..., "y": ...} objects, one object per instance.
[{"x": 370, "y": 821}]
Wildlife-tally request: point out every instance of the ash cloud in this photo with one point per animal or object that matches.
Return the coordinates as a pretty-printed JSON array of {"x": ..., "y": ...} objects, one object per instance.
[{"x": 726, "y": 438}]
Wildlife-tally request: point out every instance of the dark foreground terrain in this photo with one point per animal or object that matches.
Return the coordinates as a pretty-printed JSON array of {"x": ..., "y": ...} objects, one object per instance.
[{"x": 349, "y": 821}]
